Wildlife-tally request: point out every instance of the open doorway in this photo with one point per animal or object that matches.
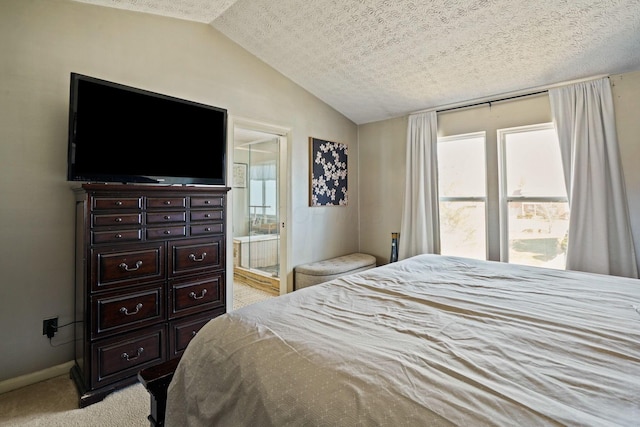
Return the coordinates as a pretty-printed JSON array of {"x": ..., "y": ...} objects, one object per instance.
[{"x": 258, "y": 213}]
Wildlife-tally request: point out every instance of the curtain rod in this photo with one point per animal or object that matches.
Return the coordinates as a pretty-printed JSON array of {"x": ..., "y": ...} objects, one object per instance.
[
  {"x": 492, "y": 101},
  {"x": 506, "y": 96}
]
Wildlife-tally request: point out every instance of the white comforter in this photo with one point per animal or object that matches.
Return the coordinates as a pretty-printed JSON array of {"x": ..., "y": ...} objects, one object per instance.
[{"x": 432, "y": 340}]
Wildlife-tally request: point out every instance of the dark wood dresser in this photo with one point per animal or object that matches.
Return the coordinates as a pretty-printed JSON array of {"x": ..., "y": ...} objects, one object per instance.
[{"x": 150, "y": 272}]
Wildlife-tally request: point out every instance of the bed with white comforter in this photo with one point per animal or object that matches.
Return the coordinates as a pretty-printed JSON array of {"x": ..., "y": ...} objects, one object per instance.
[{"x": 431, "y": 340}]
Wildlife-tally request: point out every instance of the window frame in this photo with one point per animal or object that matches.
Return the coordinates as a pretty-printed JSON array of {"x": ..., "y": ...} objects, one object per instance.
[
  {"x": 504, "y": 198},
  {"x": 485, "y": 199}
]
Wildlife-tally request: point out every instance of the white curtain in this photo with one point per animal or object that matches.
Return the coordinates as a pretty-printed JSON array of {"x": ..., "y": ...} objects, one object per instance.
[
  {"x": 600, "y": 239},
  {"x": 264, "y": 171},
  {"x": 419, "y": 229}
]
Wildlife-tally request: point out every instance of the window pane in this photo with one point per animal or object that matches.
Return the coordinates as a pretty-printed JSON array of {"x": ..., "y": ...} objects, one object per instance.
[
  {"x": 462, "y": 175},
  {"x": 255, "y": 194},
  {"x": 538, "y": 233},
  {"x": 461, "y": 167},
  {"x": 462, "y": 229},
  {"x": 533, "y": 163}
]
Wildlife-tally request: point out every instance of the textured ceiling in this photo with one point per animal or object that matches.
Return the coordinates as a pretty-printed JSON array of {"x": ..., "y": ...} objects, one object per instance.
[{"x": 375, "y": 59}]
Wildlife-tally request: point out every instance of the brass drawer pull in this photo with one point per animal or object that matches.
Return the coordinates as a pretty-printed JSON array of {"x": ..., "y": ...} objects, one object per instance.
[
  {"x": 192, "y": 257},
  {"x": 118, "y": 219},
  {"x": 202, "y": 294},
  {"x": 128, "y": 358},
  {"x": 167, "y": 202},
  {"x": 125, "y": 267},
  {"x": 126, "y": 312},
  {"x": 207, "y": 202},
  {"x": 207, "y": 215},
  {"x": 118, "y": 203},
  {"x": 167, "y": 217}
]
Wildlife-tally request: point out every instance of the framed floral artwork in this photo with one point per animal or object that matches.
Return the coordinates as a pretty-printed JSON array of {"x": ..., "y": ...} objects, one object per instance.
[
  {"x": 239, "y": 175},
  {"x": 328, "y": 173}
]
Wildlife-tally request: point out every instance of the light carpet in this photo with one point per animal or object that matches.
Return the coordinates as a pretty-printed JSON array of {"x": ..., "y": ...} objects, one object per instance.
[
  {"x": 244, "y": 295},
  {"x": 54, "y": 402}
]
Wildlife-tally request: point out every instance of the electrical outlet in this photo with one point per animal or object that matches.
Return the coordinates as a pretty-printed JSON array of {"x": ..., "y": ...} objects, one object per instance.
[{"x": 50, "y": 327}]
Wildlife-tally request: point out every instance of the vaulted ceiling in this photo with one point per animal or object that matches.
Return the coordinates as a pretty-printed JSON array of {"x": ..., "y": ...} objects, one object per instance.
[{"x": 376, "y": 59}]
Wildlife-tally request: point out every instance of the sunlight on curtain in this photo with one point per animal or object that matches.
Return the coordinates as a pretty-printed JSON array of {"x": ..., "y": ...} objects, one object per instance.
[
  {"x": 419, "y": 230},
  {"x": 600, "y": 239}
]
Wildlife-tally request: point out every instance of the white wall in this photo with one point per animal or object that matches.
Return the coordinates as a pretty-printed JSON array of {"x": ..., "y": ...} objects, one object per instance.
[
  {"x": 41, "y": 43},
  {"x": 240, "y": 199},
  {"x": 382, "y": 152}
]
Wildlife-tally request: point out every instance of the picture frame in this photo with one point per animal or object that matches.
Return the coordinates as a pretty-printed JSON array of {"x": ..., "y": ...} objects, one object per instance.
[
  {"x": 239, "y": 179},
  {"x": 328, "y": 173}
]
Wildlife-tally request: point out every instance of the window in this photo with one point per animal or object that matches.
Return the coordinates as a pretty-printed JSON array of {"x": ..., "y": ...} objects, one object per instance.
[
  {"x": 463, "y": 195},
  {"x": 531, "y": 209},
  {"x": 534, "y": 208},
  {"x": 263, "y": 195}
]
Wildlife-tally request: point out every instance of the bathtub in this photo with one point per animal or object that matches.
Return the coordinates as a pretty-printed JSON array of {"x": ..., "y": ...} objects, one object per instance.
[{"x": 255, "y": 251}]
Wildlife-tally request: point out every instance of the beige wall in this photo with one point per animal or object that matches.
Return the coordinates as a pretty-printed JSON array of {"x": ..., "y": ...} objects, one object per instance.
[
  {"x": 41, "y": 43},
  {"x": 382, "y": 152},
  {"x": 626, "y": 96}
]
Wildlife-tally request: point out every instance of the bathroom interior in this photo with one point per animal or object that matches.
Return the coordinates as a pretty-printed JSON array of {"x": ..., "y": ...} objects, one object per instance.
[{"x": 256, "y": 235}]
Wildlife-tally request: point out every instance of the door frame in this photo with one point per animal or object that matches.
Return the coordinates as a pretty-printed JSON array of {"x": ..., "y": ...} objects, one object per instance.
[{"x": 284, "y": 190}]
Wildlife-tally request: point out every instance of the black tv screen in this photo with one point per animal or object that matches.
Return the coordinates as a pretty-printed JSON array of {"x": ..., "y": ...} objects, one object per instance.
[{"x": 122, "y": 134}]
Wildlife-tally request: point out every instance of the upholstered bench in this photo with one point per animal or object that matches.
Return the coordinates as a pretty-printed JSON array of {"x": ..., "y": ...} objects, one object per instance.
[{"x": 328, "y": 269}]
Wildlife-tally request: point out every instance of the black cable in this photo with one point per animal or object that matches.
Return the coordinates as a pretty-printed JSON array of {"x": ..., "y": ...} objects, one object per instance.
[
  {"x": 70, "y": 323},
  {"x": 51, "y": 344},
  {"x": 66, "y": 342}
]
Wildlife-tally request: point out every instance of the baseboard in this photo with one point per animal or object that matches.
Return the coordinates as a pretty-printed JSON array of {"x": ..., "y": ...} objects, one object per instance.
[{"x": 35, "y": 377}]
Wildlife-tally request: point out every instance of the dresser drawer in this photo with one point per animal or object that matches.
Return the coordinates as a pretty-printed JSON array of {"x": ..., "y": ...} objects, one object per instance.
[
  {"x": 214, "y": 201},
  {"x": 166, "y": 202},
  {"x": 181, "y": 332},
  {"x": 212, "y": 215},
  {"x": 125, "y": 355},
  {"x": 196, "y": 255},
  {"x": 115, "y": 268},
  {"x": 116, "y": 236},
  {"x": 116, "y": 203},
  {"x": 116, "y": 220},
  {"x": 166, "y": 233},
  {"x": 196, "y": 294},
  {"x": 166, "y": 217},
  {"x": 117, "y": 311},
  {"x": 205, "y": 229}
]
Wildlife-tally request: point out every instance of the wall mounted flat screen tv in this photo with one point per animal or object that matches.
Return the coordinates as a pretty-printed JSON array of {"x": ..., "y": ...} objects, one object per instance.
[{"x": 122, "y": 134}]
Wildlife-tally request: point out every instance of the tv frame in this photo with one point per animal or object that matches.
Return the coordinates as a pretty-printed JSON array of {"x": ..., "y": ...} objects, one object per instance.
[{"x": 72, "y": 175}]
